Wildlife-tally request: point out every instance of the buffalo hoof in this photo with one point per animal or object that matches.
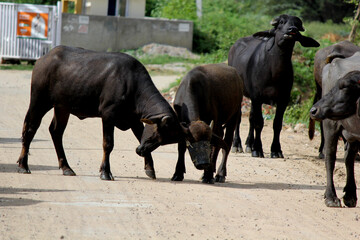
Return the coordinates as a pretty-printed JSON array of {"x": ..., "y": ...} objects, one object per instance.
[
  {"x": 258, "y": 154},
  {"x": 208, "y": 180},
  {"x": 237, "y": 149},
  {"x": 220, "y": 179},
  {"x": 248, "y": 149},
  {"x": 69, "y": 172},
  {"x": 150, "y": 174},
  {"x": 177, "y": 177},
  {"x": 23, "y": 170},
  {"x": 277, "y": 155},
  {"x": 333, "y": 202},
  {"x": 106, "y": 176},
  {"x": 350, "y": 201},
  {"x": 321, "y": 155}
]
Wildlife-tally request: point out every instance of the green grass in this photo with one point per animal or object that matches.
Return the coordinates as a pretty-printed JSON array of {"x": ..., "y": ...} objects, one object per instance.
[
  {"x": 318, "y": 30},
  {"x": 22, "y": 66}
]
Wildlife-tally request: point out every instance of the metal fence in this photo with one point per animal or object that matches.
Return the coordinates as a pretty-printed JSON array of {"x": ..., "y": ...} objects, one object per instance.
[{"x": 13, "y": 46}]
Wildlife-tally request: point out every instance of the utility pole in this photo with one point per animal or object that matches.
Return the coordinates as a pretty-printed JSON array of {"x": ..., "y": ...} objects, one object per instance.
[{"x": 199, "y": 8}]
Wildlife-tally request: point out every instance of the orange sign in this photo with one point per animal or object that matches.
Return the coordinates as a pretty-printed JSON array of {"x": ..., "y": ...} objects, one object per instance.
[{"x": 32, "y": 22}]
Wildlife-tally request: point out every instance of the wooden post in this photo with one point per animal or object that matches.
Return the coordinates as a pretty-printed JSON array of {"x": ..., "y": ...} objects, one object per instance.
[
  {"x": 78, "y": 6},
  {"x": 65, "y": 4}
]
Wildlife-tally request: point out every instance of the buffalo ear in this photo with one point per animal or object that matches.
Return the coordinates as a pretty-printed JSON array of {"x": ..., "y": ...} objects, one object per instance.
[
  {"x": 269, "y": 35},
  {"x": 218, "y": 142},
  {"x": 308, "y": 42},
  {"x": 160, "y": 119},
  {"x": 265, "y": 34},
  {"x": 332, "y": 56},
  {"x": 185, "y": 128},
  {"x": 147, "y": 121},
  {"x": 164, "y": 120}
]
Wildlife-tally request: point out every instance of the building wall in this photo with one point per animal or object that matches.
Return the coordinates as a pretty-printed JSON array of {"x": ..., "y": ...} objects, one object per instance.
[
  {"x": 108, "y": 33},
  {"x": 136, "y": 8},
  {"x": 97, "y": 7}
]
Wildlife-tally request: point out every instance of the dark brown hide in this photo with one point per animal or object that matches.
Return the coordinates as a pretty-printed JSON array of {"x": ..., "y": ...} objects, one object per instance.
[
  {"x": 113, "y": 86},
  {"x": 209, "y": 93}
]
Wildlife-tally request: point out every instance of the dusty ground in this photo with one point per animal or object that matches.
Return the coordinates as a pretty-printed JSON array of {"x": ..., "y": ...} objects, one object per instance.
[{"x": 262, "y": 198}]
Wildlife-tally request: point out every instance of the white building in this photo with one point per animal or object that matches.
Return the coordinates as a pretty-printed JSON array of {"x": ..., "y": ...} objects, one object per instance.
[{"x": 126, "y": 8}]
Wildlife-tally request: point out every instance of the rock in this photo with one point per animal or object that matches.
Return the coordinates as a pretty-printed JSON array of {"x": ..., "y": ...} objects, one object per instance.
[
  {"x": 299, "y": 127},
  {"x": 159, "y": 49}
]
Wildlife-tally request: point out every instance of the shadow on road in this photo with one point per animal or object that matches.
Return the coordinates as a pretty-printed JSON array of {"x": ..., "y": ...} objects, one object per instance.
[
  {"x": 235, "y": 185},
  {"x": 7, "y": 167},
  {"x": 17, "y": 140},
  {"x": 20, "y": 201}
]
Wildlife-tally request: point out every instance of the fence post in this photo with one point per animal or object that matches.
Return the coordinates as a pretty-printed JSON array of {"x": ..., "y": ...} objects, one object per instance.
[{"x": 58, "y": 23}]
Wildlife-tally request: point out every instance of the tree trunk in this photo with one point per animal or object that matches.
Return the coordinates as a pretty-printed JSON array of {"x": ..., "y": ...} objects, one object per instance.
[{"x": 354, "y": 25}]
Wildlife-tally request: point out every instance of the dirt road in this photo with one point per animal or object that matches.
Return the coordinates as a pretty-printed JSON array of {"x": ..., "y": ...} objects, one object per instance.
[{"x": 262, "y": 198}]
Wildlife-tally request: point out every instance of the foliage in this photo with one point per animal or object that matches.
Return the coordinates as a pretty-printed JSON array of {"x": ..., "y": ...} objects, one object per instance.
[
  {"x": 298, "y": 112},
  {"x": 175, "y": 9},
  {"x": 150, "y": 6},
  {"x": 319, "y": 30},
  {"x": 163, "y": 59},
  {"x": 18, "y": 66},
  {"x": 311, "y": 10},
  {"x": 44, "y": 2}
]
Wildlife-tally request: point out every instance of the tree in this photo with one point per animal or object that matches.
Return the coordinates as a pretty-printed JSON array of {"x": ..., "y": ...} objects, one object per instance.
[
  {"x": 311, "y": 10},
  {"x": 355, "y": 23}
]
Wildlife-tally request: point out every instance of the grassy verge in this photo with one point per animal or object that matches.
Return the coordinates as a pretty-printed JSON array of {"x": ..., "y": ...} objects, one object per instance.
[{"x": 21, "y": 66}]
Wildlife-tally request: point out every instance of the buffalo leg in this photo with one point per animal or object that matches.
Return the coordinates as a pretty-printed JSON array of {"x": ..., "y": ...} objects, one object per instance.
[
  {"x": 331, "y": 135},
  {"x": 350, "y": 198},
  {"x": 180, "y": 165},
  {"x": 31, "y": 124},
  {"x": 277, "y": 126},
  {"x": 57, "y": 128},
  {"x": 208, "y": 176},
  {"x": 108, "y": 145},
  {"x": 258, "y": 121},
  {"x": 321, "y": 148},
  {"x": 229, "y": 134},
  {"x": 250, "y": 138},
  {"x": 236, "y": 147},
  {"x": 138, "y": 129}
]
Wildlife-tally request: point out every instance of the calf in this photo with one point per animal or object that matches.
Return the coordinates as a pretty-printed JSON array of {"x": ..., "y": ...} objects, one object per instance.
[
  {"x": 264, "y": 63},
  {"x": 325, "y": 56},
  {"x": 341, "y": 90},
  {"x": 113, "y": 86},
  {"x": 208, "y": 94}
]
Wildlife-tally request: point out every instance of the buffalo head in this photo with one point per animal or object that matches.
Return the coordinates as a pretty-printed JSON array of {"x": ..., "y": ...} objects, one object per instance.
[
  {"x": 159, "y": 131},
  {"x": 197, "y": 135},
  {"x": 286, "y": 31},
  {"x": 340, "y": 101}
]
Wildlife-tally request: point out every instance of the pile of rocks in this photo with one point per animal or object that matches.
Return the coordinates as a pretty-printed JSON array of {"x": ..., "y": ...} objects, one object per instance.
[{"x": 159, "y": 49}]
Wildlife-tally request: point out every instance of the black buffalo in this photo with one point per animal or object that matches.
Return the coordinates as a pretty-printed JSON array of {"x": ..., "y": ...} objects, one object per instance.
[
  {"x": 337, "y": 108},
  {"x": 113, "y": 86},
  {"x": 263, "y": 61},
  {"x": 207, "y": 101},
  {"x": 325, "y": 56}
]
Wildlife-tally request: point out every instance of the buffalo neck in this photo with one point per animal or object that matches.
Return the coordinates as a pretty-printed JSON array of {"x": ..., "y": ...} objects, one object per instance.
[
  {"x": 284, "y": 51},
  {"x": 153, "y": 103}
]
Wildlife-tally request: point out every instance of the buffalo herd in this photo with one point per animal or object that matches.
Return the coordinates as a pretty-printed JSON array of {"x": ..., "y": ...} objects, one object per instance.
[{"x": 206, "y": 113}]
